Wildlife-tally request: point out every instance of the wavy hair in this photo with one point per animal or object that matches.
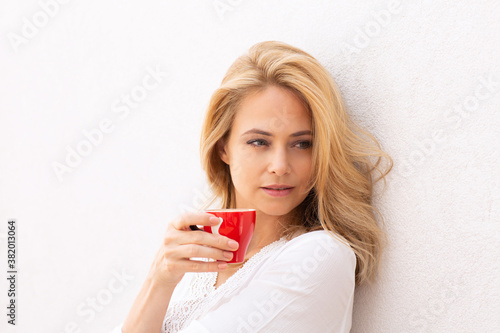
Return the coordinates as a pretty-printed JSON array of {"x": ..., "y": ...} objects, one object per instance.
[{"x": 344, "y": 156}]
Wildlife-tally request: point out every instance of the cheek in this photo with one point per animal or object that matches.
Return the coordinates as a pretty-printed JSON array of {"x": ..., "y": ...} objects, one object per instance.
[
  {"x": 304, "y": 169},
  {"x": 248, "y": 159},
  {"x": 244, "y": 167}
]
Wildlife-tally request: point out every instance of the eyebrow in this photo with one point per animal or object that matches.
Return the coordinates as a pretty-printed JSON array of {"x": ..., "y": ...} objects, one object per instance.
[{"x": 258, "y": 131}]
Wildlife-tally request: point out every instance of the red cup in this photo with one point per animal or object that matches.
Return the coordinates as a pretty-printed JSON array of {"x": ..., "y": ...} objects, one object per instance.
[{"x": 237, "y": 224}]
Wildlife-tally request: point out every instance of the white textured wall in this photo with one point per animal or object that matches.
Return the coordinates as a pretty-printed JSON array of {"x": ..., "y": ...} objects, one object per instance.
[{"x": 423, "y": 76}]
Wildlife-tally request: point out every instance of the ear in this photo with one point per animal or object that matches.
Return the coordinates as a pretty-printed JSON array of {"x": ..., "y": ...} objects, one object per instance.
[{"x": 221, "y": 149}]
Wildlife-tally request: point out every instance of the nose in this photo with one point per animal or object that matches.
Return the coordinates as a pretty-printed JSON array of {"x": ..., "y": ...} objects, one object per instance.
[{"x": 279, "y": 163}]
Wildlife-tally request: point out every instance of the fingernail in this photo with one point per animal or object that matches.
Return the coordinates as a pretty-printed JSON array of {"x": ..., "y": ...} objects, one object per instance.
[
  {"x": 228, "y": 255},
  {"x": 222, "y": 266},
  {"x": 233, "y": 244},
  {"x": 214, "y": 219}
]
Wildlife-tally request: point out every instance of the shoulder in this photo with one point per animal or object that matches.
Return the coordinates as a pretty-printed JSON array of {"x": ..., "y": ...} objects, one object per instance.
[
  {"x": 320, "y": 253},
  {"x": 320, "y": 241},
  {"x": 321, "y": 235},
  {"x": 317, "y": 267}
]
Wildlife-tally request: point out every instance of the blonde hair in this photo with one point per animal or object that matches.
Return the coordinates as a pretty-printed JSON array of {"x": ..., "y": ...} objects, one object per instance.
[{"x": 344, "y": 156}]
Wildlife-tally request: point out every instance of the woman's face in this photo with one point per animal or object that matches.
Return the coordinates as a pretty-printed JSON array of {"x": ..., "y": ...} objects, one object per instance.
[{"x": 270, "y": 144}]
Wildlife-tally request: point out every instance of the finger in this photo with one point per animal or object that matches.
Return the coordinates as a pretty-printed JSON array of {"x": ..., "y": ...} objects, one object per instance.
[
  {"x": 183, "y": 221},
  {"x": 199, "y": 251},
  {"x": 207, "y": 239}
]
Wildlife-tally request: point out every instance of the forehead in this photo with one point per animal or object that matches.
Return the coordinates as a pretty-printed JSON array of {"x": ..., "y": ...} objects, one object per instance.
[{"x": 275, "y": 109}]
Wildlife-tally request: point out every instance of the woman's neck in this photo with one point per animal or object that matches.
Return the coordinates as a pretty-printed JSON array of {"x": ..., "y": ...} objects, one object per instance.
[{"x": 267, "y": 230}]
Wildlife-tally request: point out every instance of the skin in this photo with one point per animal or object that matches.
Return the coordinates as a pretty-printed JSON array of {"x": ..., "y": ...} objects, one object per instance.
[
  {"x": 276, "y": 159},
  {"x": 257, "y": 160}
]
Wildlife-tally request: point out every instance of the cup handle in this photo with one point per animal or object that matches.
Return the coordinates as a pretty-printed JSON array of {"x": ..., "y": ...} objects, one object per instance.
[{"x": 215, "y": 228}]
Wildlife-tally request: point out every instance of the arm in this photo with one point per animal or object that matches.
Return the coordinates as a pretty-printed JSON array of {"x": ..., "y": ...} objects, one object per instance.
[
  {"x": 308, "y": 287},
  {"x": 179, "y": 292},
  {"x": 169, "y": 266},
  {"x": 149, "y": 307}
]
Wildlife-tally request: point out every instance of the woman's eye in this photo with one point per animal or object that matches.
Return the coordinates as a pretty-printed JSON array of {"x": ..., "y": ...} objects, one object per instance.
[
  {"x": 260, "y": 142},
  {"x": 305, "y": 144}
]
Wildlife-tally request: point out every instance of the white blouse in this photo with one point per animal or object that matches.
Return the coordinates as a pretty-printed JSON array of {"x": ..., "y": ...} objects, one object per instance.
[{"x": 302, "y": 285}]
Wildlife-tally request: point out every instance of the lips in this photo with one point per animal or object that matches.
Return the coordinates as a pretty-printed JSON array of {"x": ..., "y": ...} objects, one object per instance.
[
  {"x": 278, "y": 187},
  {"x": 278, "y": 191}
]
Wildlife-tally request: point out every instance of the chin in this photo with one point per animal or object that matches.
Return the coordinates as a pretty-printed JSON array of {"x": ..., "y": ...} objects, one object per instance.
[{"x": 275, "y": 211}]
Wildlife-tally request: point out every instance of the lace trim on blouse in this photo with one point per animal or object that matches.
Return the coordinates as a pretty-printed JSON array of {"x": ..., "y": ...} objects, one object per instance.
[{"x": 202, "y": 294}]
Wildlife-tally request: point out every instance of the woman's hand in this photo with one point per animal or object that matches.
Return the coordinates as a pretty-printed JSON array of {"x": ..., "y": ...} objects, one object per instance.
[{"x": 181, "y": 243}]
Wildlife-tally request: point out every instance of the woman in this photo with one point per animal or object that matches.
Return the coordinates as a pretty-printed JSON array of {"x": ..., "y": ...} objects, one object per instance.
[{"x": 276, "y": 138}]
